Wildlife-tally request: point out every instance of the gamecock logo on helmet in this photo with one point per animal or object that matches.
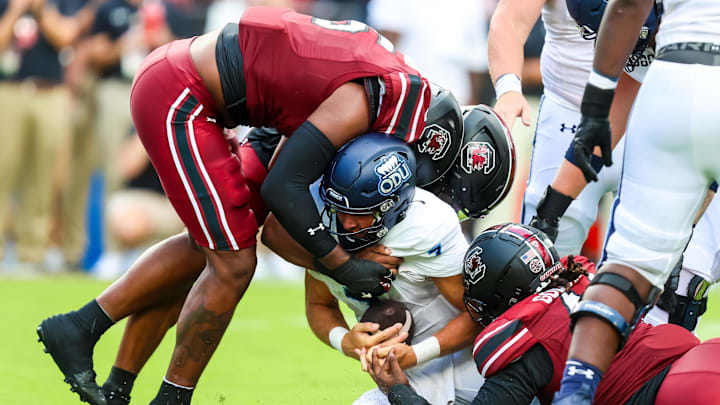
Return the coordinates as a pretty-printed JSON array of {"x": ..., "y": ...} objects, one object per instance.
[
  {"x": 474, "y": 266},
  {"x": 435, "y": 141},
  {"x": 478, "y": 156},
  {"x": 393, "y": 171}
]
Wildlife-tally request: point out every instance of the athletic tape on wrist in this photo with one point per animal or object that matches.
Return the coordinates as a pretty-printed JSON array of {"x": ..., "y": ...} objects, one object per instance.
[
  {"x": 336, "y": 337},
  {"x": 601, "y": 81},
  {"x": 426, "y": 350},
  {"x": 596, "y": 161},
  {"x": 507, "y": 82}
]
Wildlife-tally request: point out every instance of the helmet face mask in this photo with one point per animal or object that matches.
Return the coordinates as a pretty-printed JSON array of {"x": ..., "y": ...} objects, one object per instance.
[{"x": 373, "y": 174}]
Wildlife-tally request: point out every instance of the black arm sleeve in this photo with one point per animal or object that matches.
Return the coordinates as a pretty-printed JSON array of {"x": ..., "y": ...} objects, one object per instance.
[
  {"x": 520, "y": 381},
  {"x": 401, "y": 394},
  {"x": 302, "y": 160},
  {"x": 516, "y": 384}
]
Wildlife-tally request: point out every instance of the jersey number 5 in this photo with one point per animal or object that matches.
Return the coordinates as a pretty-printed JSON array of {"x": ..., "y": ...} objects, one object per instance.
[{"x": 353, "y": 27}]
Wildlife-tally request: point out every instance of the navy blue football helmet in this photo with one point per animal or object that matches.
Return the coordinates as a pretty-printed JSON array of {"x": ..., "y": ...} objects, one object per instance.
[
  {"x": 588, "y": 16},
  {"x": 372, "y": 174}
]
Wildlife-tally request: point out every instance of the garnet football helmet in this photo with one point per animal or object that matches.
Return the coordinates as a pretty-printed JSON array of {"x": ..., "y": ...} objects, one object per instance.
[
  {"x": 372, "y": 174},
  {"x": 503, "y": 265},
  {"x": 441, "y": 138}
]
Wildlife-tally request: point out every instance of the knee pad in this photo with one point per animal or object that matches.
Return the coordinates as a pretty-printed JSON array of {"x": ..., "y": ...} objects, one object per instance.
[{"x": 610, "y": 315}]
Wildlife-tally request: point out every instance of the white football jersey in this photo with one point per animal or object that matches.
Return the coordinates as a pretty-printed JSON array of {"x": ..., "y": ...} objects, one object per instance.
[
  {"x": 431, "y": 244},
  {"x": 689, "y": 21},
  {"x": 638, "y": 69},
  {"x": 566, "y": 57}
]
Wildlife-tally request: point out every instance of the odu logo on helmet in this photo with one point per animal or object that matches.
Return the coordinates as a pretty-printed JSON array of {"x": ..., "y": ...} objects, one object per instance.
[{"x": 393, "y": 171}]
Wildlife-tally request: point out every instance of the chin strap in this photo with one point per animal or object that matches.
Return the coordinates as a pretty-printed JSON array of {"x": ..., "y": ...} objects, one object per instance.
[{"x": 610, "y": 315}]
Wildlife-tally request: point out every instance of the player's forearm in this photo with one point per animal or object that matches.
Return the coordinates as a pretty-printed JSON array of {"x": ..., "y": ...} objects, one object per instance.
[
  {"x": 509, "y": 29},
  {"x": 323, "y": 318},
  {"x": 105, "y": 52},
  {"x": 457, "y": 334},
  {"x": 618, "y": 33}
]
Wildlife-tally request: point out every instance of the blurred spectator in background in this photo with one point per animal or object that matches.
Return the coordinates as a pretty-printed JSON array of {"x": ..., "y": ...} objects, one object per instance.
[
  {"x": 340, "y": 9},
  {"x": 35, "y": 36},
  {"x": 446, "y": 40},
  {"x": 101, "y": 74},
  {"x": 139, "y": 214}
]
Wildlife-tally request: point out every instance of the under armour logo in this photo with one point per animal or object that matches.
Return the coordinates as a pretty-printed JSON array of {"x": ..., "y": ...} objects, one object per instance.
[
  {"x": 365, "y": 295},
  {"x": 589, "y": 374},
  {"x": 572, "y": 129},
  {"x": 313, "y": 231}
]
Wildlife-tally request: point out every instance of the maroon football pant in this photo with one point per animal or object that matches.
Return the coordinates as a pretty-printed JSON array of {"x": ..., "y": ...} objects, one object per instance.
[
  {"x": 174, "y": 116},
  {"x": 694, "y": 378}
]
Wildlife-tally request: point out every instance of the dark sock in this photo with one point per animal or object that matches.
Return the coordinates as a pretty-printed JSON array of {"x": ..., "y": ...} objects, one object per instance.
[
  {"x": 121, "y": 381},
  {"x": 92, "y": 319},
  {"x": 171, "y": 394},
  {"x": 577, "y": 374}
]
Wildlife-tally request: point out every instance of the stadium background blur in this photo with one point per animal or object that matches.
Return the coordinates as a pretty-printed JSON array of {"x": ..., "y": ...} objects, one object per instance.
[{"x": 79, "y": 200}]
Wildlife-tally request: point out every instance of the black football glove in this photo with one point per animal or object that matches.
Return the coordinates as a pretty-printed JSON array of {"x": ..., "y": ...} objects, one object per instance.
[
  {"x": 551, "y": 207},
  {"x": 594, "y": 130},
  {"x": 363, "y": 279}
]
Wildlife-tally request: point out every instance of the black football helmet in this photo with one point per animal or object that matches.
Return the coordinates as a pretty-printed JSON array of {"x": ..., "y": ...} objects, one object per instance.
[
  {"x": 485, "y": 168},
  {"x": 372, "y": 174},
  {"x": 503, "y": 265},
  {"x": 440, "y": 142}
]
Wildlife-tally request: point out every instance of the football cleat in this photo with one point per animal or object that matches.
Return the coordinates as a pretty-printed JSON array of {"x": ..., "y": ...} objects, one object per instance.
[
  {"x": 71, "y": 350},
  {"x": 114, "y": 394}
]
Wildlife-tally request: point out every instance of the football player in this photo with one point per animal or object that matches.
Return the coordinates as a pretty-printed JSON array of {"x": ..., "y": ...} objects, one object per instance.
[
  {"x": 320, "y": 82},
  {"x": 685, "y": 298},
  {"x": 664, "y": 184},
  {"x": 368, "y": 196},
  {"x": 516, "y": 285}
]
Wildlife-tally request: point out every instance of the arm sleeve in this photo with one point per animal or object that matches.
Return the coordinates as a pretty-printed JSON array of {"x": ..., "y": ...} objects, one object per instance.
[
  {"x": 401, "y": 394},
  {"x": 520, "y": 381},
  {"x": 302, "y": 160}
]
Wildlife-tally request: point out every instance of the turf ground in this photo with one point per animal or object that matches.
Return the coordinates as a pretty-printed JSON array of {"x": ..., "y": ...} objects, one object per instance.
[{"x": 268, "y": 354}]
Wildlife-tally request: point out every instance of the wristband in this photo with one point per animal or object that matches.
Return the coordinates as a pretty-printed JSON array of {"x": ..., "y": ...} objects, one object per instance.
[
  {"x": 506, "y": 83},
  {"x": 336, "y": 337},
  {"x": 601, "y": 81},
  {"x": 426, "y": 350}
]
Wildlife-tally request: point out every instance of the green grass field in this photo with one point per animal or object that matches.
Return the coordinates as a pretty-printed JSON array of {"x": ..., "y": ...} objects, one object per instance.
[{"x": 268, "y": 354}]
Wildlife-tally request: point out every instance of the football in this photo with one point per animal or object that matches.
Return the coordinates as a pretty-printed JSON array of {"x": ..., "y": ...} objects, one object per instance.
[{"x": 389, "y": 312}]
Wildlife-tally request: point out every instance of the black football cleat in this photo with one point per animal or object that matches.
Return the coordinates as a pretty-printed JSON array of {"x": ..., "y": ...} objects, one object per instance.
[
  {"x": 115, "y": 395},
  {"x": 72, "y": 349}
]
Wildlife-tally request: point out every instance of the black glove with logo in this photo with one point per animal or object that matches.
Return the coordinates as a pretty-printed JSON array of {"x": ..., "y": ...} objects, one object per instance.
[
  {"x": 594, "y": 130},
  {"x": 551, "y": 207},
  {"x": 363, "y": 279}
]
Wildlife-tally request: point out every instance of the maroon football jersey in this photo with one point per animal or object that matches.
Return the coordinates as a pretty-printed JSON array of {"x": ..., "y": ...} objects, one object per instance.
[
  {"x": 544, "y": 318},
  {"x": 293, "y": 62}
]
